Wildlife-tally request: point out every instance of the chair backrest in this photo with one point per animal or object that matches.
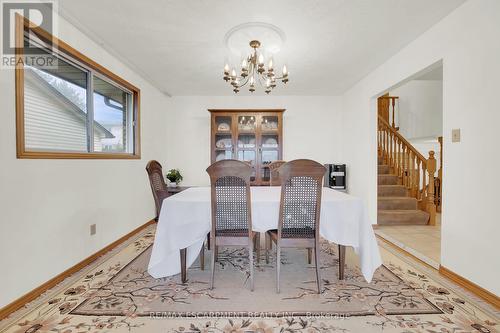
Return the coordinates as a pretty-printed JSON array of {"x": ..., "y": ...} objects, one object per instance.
[
  {"x": 274, "y": 179},
  {"x": 157, "y": 183},
  {"x": 300, "y": 204},
  {"x": 230, "y": 194}
]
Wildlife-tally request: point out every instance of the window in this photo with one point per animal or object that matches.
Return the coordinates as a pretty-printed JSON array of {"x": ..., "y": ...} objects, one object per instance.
[{"x": 73, "y": 108}]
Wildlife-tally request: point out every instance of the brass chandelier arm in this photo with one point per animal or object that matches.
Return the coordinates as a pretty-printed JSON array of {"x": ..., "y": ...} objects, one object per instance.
[
  {"x": 260, "y": 78},
  {"x": 246, "y": 79}
]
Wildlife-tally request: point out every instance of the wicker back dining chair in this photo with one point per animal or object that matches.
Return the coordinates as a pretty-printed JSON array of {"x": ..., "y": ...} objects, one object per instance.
[
  {"x": 274, "y": 178},
  {"x": 157, "y": 183},
  {"x": 276, "y": 181},
  {"x": 300, "y": 206},
  {"x": 231, "y": 209}
]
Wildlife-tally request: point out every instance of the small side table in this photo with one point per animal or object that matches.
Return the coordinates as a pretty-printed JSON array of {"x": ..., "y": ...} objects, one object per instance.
[{"x": 177, "y": 189}]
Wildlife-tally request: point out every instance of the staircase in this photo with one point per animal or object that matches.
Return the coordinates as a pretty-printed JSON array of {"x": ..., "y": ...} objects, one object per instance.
[
  {"x": 405, "y": 180},
  {"x": 395, "y": 207}
]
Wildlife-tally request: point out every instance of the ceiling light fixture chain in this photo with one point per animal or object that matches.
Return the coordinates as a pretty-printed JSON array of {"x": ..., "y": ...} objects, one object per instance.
[{"x": 253, "y": 70}]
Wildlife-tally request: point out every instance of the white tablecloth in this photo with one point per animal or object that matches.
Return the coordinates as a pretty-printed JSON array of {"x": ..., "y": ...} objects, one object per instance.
[{"x": 184, "y": 222}]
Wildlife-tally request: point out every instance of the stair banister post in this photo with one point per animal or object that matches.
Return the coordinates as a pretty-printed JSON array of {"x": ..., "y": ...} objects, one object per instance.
[
  {"x": 418, "y": 180},
  {"x": 413, "y": 175},
  {"x": 431, "y": 206},
  {"x": 410, "y": 173},
  {"x": 393, "y": 100},
  {"x": 387, "y": 138},
  {"x": 397, "y": 157},
  {"x": 391, "y": 156}
]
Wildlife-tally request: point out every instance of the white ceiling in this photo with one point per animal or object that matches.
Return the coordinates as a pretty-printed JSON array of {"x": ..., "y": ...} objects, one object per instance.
[{"x": 179, "y": 45}]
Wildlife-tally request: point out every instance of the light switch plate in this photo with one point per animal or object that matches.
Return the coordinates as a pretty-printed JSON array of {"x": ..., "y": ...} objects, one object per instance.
[
  {"x": 455, "y": 135},
  {"x": 93, "y": 229}
]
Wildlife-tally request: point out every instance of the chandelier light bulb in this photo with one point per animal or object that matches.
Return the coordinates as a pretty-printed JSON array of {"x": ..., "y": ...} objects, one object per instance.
[
  {"x": 261, "y": 59},
  {"x": 226, "y": 69},
  {"x": 233, "y": 74},
  {"x": 270, "y": 65},
  {"x": 244, "y": 63},
  {"x": 285, "y": 70}
]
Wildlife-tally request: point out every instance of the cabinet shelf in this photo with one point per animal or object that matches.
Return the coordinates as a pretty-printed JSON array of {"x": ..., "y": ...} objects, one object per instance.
[{"x": 257, "y": 153}]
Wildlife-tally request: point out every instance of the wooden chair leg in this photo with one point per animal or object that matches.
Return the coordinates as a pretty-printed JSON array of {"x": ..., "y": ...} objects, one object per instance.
[
  {"x": 212, "y": 273},
  {"x": 269, "y": 244},
  {"x": 257, "y": 244},
  {"x": 183, "y": 265},
  {"x": 309, "y": 255},
  {"x": 318, "y": 265},
  {"x": 278, "y": 264},
  {"x": 341, "y": 261},
  {"x": 250, "y": 254},
  {"x": 202, "y": 257},
  {"x": 208, "y": 241},
  {"x": 216, "y": 251}
]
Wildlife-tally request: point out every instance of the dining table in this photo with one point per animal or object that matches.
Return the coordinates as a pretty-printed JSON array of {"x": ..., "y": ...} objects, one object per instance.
[{"x": 185, "y": 221}]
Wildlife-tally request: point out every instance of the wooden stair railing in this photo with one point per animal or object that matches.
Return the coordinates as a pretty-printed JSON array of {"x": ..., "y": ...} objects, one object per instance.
[
  {"x": 439, "y": 179},
  {"x": 415, "y": 171}
]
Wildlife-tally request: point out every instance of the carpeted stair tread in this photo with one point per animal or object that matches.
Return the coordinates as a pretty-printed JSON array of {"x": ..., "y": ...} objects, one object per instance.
[
  {"x": 397, "y": 203},
  {"x": 384, "y": 170},
  {"x": 388, "y": 180},
  {"x": 402, "y": 217},
  {"x": 392, "y": 191}
]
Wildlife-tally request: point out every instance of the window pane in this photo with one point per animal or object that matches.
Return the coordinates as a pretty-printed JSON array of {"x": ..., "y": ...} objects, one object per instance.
[
  {"x": 55, "y": 108},
  {"x": 112, "y": 122}
]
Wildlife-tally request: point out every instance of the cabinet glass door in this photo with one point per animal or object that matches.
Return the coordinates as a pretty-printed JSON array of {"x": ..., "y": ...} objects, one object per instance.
[
  {"x": 247, "y": 144},
  {"x": 269, "y": 144},
  {"x": 269, "y": 124},
  {"x": 246, "y": 149},
  {"x": 224, "y": 147},
  {"x": 269, "y": 153}
]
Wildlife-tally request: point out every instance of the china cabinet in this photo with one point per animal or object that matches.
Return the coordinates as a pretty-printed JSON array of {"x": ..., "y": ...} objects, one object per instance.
[{"x": 252, "y": 136}]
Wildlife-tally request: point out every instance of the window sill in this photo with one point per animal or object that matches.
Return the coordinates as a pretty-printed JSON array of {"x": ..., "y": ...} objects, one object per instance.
[{"x": 76, "y": 156}]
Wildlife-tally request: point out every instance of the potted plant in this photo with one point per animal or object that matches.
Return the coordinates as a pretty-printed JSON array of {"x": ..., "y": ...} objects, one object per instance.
[{"x": 174, "y": 176}]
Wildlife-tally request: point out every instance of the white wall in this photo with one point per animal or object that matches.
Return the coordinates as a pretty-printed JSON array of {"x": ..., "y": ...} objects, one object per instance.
[
  {"x": 420, "y": 108},
  {"x": 468, "y": 43},
  {"x": 311, "y": 129},
  {"x": 47, "y": 206}
]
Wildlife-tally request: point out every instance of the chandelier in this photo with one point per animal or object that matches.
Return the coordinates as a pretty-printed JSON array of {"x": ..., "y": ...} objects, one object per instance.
[{"x": 253, "y": 72}]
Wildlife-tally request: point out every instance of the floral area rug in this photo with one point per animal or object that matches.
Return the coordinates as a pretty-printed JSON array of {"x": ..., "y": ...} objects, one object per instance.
[{"x": 118, "y": 294}]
